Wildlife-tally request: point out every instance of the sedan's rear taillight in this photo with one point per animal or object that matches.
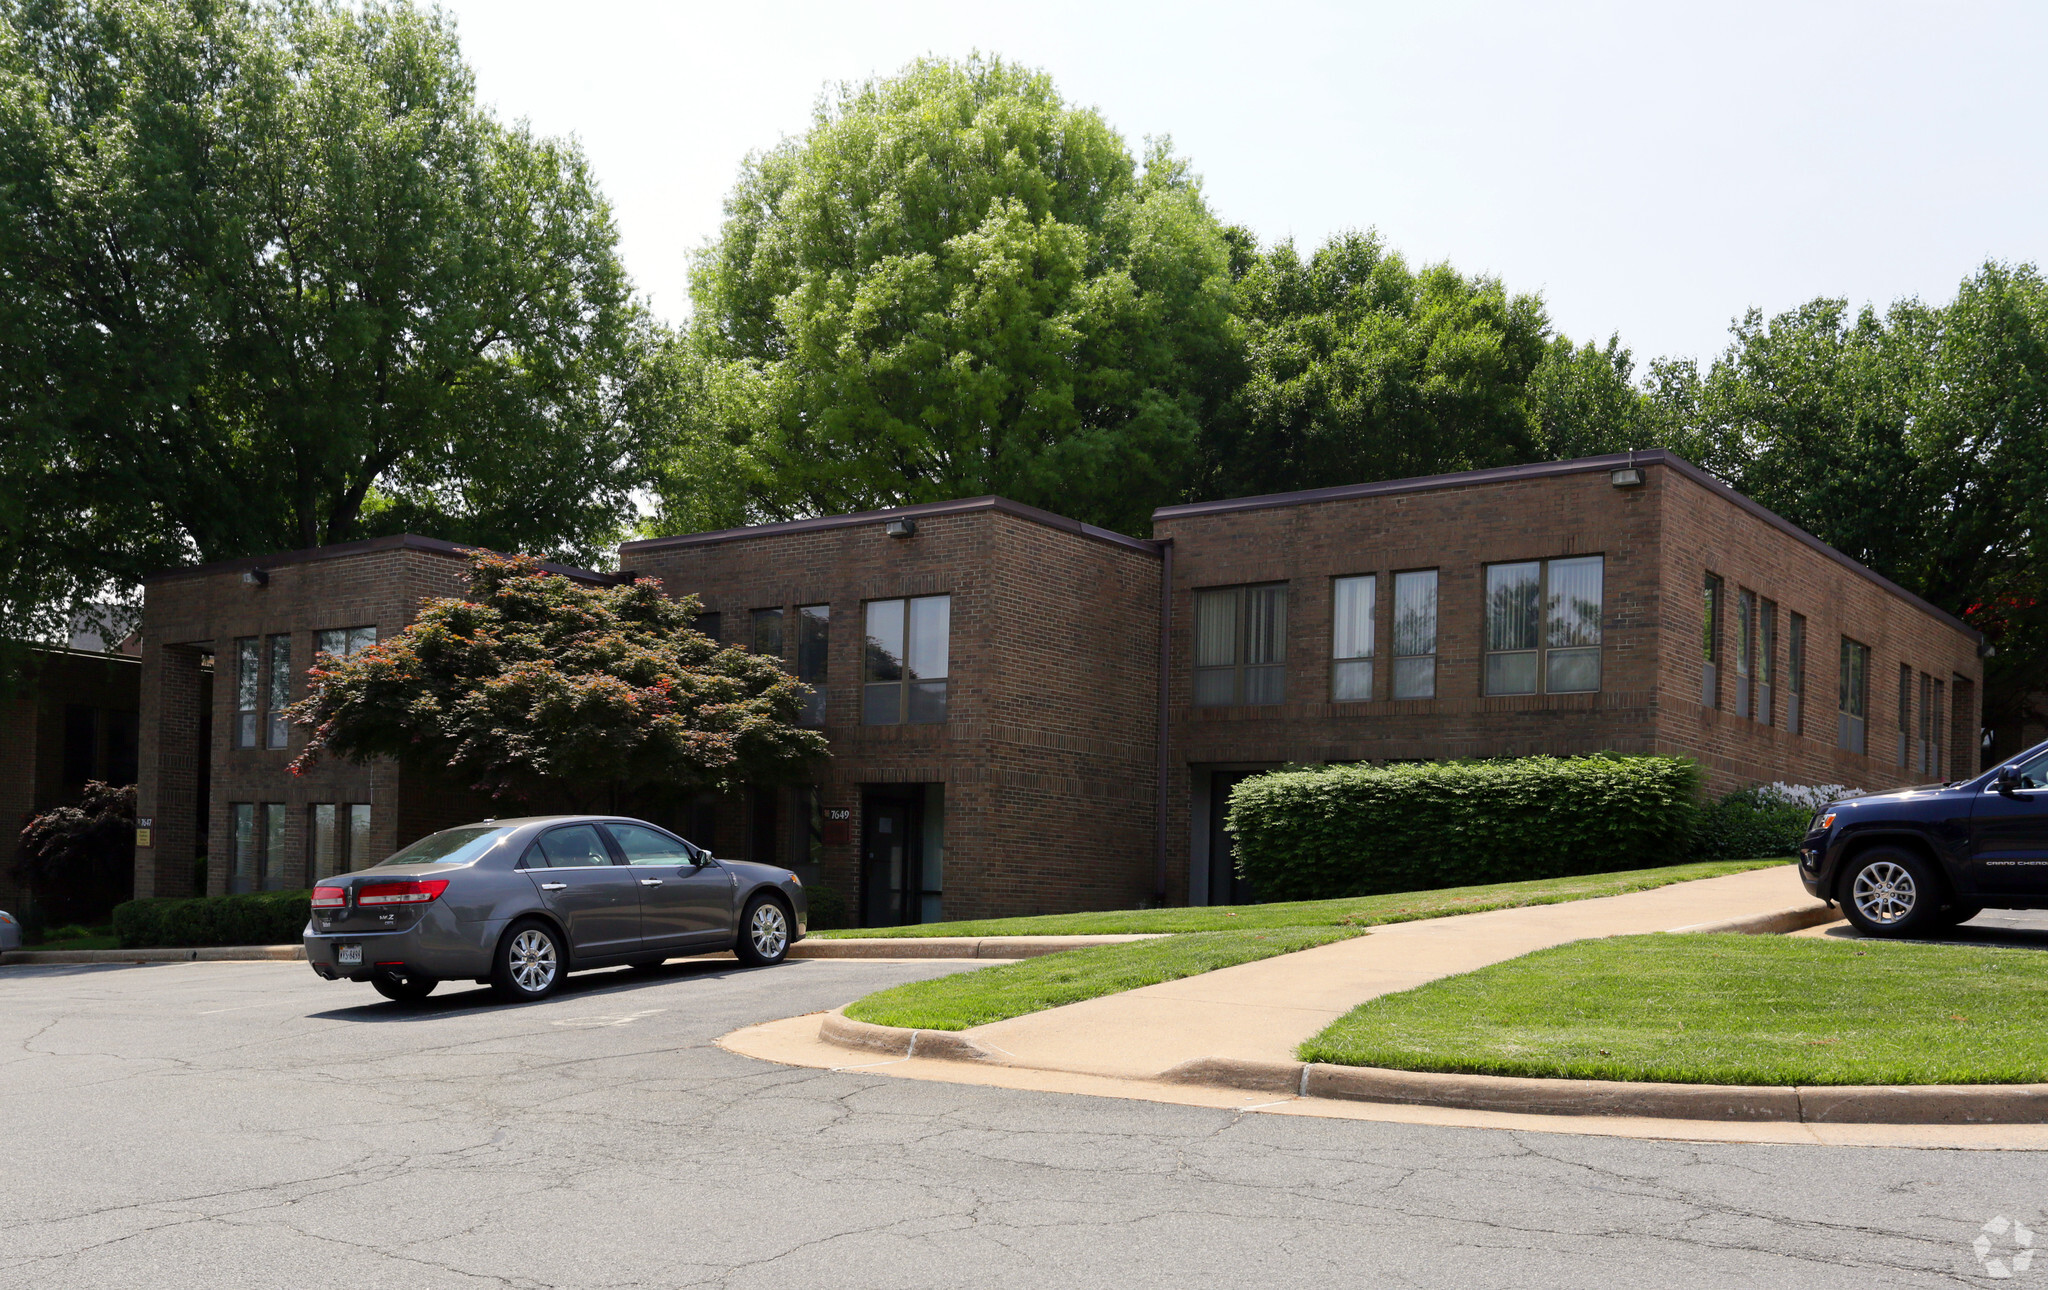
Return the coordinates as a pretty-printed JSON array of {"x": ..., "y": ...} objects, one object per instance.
[
  {"x": 402, "y": 891},
  {"x": 329, "y": 897}
]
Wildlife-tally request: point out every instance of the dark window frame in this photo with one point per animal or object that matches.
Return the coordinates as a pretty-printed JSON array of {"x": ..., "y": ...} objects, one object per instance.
[
  {"x": 915, "y": 692},
  {"x": 1544, "y": 625},
  {"x": 1241, "y": 667}
]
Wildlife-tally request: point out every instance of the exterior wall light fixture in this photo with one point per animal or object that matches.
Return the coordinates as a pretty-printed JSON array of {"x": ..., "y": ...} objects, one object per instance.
[
  {"x": 901, "y": 528},
  {"x": 256, "y": 577},
  {"x": 1628, "y": 477}
]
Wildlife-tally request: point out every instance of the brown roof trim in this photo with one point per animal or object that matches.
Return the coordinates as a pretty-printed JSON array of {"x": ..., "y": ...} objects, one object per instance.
[
  {"x": 364, "y": 546},
  {"x": 1552, "y": 469},
  {"x": 820, "y": 523}
]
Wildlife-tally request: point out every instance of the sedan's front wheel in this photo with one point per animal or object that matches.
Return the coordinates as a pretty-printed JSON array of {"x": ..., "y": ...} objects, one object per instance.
[
  {"x": 530, "y": 964},
  {"x": 1890, "y": 892},
  {"x": 764, "y": 932}
]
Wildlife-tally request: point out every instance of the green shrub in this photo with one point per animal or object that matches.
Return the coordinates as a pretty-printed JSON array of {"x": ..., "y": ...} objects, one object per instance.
[
  {"x": 1361, "y": 830},
  {"x": 1751, "y": 823},
  {"x": 259, "y": 918},
  {"x": 827, "y": 907}
]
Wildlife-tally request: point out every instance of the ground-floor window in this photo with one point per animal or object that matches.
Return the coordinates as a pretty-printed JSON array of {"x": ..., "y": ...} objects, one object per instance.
[{"x": 338, "y": 838}]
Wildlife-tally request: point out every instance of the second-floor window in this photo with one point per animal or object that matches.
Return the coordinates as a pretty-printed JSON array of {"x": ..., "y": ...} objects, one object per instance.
[
  {"x": 813, "y": 651},
  {"x": 1766, "y": 661},
  {"x": 1352, "y": 602},
  {"x": 768, "y": 632},
  {"x": 248, "y": 691},
  {"x": 1710, "y": 642},
  {"x": 276, "y": 729},
  {"x": 908, "y": 647},
  {"x": 1852, "y": 725},
  {"x": 1745, "y": 651},
  {"x": 1241, "y": 645},
  {"x": 1415, "y": 634},
  {"x": 1795, "y": 673},
  {"x": 1543, "y": 626},
  {"x": 1906, "y": 714}
]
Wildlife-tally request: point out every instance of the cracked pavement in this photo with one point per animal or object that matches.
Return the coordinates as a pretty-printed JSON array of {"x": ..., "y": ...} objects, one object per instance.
[{"x": 245, "y": 1124}]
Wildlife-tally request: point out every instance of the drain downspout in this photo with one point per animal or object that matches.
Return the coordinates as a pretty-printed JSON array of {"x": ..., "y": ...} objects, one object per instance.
[{"x": 1165, "y": 675}]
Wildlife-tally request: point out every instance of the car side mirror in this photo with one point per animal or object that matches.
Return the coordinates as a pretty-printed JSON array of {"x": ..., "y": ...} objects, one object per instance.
[{"x": 2008, "y": 779}]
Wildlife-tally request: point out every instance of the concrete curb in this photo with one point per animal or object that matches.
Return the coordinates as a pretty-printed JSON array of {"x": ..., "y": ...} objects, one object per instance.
[
  {"x": 1775, "y": 923},
  {"x": 1785, "y": 1104},
  {"x": 896, "y": 1041},
  {"x": 204, "y": 954},
  {"x": 952, "y": 947}
]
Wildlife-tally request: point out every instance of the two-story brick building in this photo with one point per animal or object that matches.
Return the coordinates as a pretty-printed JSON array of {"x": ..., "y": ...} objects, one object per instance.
[{"x": 1031, "y": 714}]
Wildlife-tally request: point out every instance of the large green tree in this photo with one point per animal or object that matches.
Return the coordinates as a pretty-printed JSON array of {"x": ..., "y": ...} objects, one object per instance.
[
  {"x": 1362, "y": 368},
  {"x": 953, "y": 283},
  {"x": 270, "y": 277}
]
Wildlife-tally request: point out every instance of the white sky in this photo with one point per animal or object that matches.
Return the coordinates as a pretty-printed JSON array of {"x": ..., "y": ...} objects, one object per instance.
[{"x": 1651, "y": 169}]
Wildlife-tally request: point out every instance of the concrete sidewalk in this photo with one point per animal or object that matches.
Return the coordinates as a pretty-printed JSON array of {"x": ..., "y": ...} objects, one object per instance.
[{"x": 1261, "y": 1011}]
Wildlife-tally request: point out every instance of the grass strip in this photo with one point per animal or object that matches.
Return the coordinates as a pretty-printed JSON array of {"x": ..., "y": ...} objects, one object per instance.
[
  {"x": 1352, "y": 911},
  {"x": 1718, "y": 1010},
  {"x": 1013, "y": 989}
]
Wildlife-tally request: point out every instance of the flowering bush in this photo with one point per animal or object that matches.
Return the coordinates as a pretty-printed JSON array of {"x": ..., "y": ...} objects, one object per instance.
[{"x": 540, "y": 687}]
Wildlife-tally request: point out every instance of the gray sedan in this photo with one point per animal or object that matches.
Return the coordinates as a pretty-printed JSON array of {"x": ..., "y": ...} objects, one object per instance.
[{"x": 516, "y": 904}]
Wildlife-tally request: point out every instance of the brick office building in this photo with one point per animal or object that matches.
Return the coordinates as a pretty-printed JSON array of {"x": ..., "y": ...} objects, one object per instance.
[{"x": 1031, "y": 714}]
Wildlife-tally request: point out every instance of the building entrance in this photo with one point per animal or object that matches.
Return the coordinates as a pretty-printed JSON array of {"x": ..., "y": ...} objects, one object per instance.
[
  {"x": 900, "y": 867},
  {"x": 1225, "y": 886}
]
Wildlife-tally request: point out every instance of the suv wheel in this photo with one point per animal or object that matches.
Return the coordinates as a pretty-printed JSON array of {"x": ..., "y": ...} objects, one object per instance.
[
  {"x": 1889, "y": 892},
  {"x": 764, "y": 932},
  {"x": 530, "y": 962}
]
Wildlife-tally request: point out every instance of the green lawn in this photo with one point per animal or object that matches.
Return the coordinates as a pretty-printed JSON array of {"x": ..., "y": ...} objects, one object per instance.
[
  {"x": 1719, "y": 1010},
  {"x": 1013, "y": 989},
  {"x": 1351, "y": 911}
]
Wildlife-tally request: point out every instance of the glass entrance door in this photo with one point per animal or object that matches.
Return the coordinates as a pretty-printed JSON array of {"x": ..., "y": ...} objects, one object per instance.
[{"x": 890, "y": 880}]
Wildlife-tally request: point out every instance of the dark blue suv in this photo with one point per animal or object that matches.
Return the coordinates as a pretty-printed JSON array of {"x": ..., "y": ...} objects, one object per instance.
[{"x": 1911, "y": 861}]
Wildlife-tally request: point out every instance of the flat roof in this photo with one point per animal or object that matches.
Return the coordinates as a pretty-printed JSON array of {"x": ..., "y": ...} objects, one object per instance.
[
  {"x": 963, "y": 506},
  {"x": 341, "y": 550},
  {"x": 1551, "y": 469}
]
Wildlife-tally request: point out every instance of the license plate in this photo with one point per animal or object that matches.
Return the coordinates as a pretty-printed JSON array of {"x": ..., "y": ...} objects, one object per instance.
[{"x": 348, "y": 954}]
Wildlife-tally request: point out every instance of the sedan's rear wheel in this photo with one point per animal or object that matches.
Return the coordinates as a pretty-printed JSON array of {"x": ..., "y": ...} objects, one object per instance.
[
  {"x": 1889, "y": 892},
  {"x": 764, "y": 932},
  {"x": 530, "y": 963},
  {"x": 403, "y": 989}
]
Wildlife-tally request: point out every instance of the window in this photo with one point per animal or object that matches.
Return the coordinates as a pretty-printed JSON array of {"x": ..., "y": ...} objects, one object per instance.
[
  {"x": 1415, "y": 634},
  {"x": 1795, "y": 672},
  {"x": 813, "y": 642},
  {"x": 325, "y": 839},
  {"x": 768, "y": 632},
  {"x": 242, "y": 877},
  {"x": 277, "y": 728},
  {"x": 338, "y": 837},
  {"x": 645, "y": 846},
  {"x": 1710, "y": 643},
  {"x": 1767, "y": 662},
  {"x": 1936, "y": 719},
  {"x": 359, "y": 836},
  {"x": 1906, "y": 715},
  {"x": 1351, "y": 611},
  {"x": 1745, "y": 650},
  {"x": 1853, "y": 706},
  {"x": 342, "y": 642},
  {"x": 574, "y": 847},
  {"x": 248, "y": 691},
  {"x": 1543, "y": 626},
  {"x": 271, "y": 862},
  {"x": 908, "y": 644},
  {"x": 1241, "y": 645},
  {"x": 709, "y": 624}
]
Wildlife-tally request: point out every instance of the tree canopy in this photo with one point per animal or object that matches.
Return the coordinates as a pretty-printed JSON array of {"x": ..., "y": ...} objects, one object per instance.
[
  {"x": 271, "y": 278},
  {"x": 538, "y": 689},
  {"x": 954, "y": 283}
]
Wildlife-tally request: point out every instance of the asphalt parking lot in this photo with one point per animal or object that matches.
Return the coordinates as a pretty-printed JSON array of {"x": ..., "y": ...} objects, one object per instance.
[{"x": 245, "y": 1124}]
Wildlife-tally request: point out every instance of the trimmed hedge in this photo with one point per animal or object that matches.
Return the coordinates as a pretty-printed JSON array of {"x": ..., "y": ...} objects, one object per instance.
[
  {"x": 1362, "y": 830},
  {"x": 258, "y": 918},
  {"x": 1752, "y": 823}
]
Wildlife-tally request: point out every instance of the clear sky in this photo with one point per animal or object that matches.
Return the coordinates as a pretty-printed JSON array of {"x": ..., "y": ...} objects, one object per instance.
[{"x": 1653, "y": 170}]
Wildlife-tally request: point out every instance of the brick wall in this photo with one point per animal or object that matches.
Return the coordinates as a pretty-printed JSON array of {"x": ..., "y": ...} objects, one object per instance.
[{"x": 1047, "y": 754}]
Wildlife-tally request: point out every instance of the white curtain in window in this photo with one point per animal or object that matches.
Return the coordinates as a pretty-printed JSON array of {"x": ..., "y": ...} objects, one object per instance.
[
  {"x": 1575, "y": 602},
  {"x": 1511, "y": 591},
  {"x": 1216, "y": 627},
  {"x": 1352, "y": 611}
]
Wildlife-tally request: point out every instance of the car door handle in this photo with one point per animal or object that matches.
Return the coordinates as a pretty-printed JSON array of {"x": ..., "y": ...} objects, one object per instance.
[
  {"x": 650, "y": 882},
  {"x": 554, "y": 886}
]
